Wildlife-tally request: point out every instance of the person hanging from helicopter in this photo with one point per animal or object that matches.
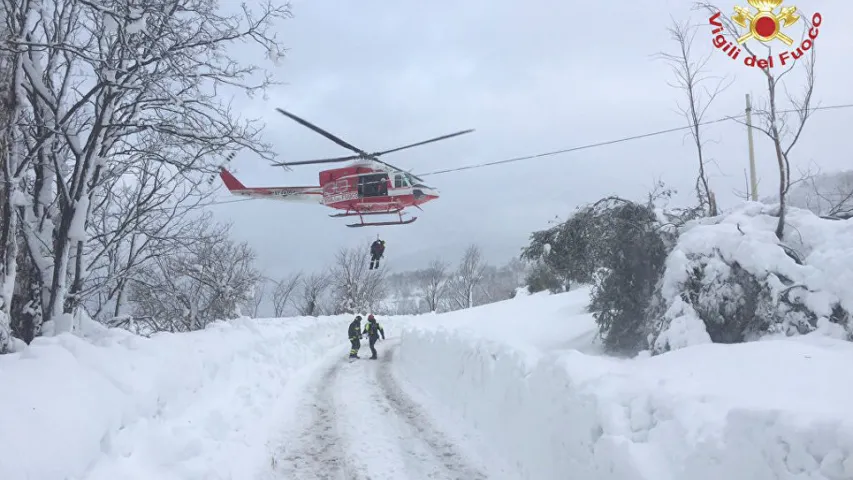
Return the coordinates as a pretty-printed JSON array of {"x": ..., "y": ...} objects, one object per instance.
[
  {"x": 373, "y": 330},
  {"x": 377, "y": 249},
  {"x": 354, "y": 333}
]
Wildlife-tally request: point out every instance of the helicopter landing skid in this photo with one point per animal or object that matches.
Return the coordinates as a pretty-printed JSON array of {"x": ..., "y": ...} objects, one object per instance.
[
  {"x": 381, "y": 224},
  {"x": 399, "y": 213},
  {"x": 358, "y": 214}
]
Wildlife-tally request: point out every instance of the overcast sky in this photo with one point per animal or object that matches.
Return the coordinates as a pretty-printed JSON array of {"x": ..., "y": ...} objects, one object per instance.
[{"x": 530, "y": 77}]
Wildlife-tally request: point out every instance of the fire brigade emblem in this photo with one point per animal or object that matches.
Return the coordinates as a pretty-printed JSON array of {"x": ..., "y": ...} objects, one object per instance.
[{"x": 766, "y": 25}]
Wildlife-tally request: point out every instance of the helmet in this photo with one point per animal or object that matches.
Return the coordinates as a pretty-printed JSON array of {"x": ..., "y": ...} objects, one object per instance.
[
  {"x": 358, "y": 317},
  {"x": 370, "y": 317}
]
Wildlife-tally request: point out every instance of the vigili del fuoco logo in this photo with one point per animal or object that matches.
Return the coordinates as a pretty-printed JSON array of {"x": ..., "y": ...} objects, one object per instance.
[{"x": 765, "y": 25}]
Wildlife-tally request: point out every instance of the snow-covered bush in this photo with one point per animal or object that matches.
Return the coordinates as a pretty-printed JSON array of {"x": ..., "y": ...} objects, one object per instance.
[
  {"x": 619, "y": 247},
  {"x": 629, "y": 252},
  {"x": 730, "y": 280},
  {"x": 542, "y": 277},
  {"x": 563, "y": 248}
]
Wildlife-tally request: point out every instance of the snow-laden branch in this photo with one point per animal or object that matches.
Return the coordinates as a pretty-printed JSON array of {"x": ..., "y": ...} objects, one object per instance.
[{"x": 108, "y": 88}]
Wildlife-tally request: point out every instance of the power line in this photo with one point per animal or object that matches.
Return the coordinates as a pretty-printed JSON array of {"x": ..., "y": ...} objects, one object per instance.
[
  {"x": 615, "y": 141},
  {"x": 227, "y": 201},
  {"x": 585, "y": 147}
]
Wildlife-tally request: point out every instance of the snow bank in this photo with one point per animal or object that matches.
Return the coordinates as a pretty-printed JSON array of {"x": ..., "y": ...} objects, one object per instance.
[
  {"x": 729, "y": 279},
  {"x": 198, "y": 405},
  {"x": 532, "y": 323},
  {"x": 765, "y": 410}
]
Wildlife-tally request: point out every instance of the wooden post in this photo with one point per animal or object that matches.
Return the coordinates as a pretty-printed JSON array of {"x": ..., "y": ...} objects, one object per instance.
[{"x": 752, "y": 180}]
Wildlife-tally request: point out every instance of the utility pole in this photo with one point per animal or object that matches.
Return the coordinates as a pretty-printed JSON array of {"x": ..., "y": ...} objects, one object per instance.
[{"x": 753, "y": 182}]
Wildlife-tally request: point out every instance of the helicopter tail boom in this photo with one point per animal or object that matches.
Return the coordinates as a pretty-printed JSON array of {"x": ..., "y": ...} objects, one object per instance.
[{"x": 293, "y": 194}]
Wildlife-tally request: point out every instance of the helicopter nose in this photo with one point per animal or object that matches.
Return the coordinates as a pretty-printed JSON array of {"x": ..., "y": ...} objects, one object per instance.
[{"x": 425, "y": 194}]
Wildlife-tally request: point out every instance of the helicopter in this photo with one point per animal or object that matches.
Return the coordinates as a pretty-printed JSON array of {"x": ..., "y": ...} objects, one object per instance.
[{"x": 366, "y": 187}]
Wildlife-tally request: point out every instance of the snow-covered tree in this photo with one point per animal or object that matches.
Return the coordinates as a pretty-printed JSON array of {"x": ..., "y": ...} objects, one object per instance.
[
  {"x": 140, "y": 214},
  {"x": 402, "y": 294},
  {"x": 205, "y": 281},
  {"x": 254, "y": 302},
  {"x": 283, "y": 291},
  {"x": 100, "y": 87},
  {"x": 619, "y": 247},
  {"x": 356, "y": 288},
  {"x": 433, "y": 282},
  {"x": 499, "y": 283},
  {"x": 542, "y": 277},
  {"x": 10, "y": 163},
  {"x": 564, "y": 249},
  {"x": 468, "y": 276},
  {"x": 629, "y": 261},
  {"x": 310, "y": 293}
]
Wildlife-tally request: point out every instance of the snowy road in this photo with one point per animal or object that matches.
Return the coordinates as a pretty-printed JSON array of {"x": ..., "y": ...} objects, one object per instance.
[{"x": 355, "y": 423}]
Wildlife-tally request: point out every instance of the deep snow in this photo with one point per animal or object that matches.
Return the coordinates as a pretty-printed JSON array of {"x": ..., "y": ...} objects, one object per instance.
[
  {"x": 352, "y": 421},
  {"x": 821, "y": 282},
  {"x": 777, "y": 409},
  {"x": 200, "y": 405},
  {"x": 519, "y": 388}
]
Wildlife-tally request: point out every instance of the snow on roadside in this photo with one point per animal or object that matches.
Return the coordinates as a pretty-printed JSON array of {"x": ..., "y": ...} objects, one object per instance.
[
  {"x": 197, "y": 405},
  {"x": 530, "y": 323},
  {"x": 766, "y": 410},
  {"x": 735, "y": 272}
]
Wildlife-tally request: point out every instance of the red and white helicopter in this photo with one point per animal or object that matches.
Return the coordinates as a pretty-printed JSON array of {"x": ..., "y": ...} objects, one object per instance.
[{"x": 368, "y": 186}]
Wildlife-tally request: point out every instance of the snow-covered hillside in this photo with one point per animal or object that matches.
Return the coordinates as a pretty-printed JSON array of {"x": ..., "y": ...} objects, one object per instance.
[{"x": 512, "y": 390}]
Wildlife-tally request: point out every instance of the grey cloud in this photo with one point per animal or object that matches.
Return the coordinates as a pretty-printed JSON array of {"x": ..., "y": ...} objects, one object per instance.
[{"x": 529, "y": 77}]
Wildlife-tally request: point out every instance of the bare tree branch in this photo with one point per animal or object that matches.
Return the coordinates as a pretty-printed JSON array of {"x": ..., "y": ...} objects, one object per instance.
[
  {"x": 468, "y": 277},
  {"x": 434, "y": 284},
  {"x": 356, "y": 289},
  {"x": 205, "y": 281},
  {"x": 282, "y": 293},
  {"x": 691, "y": 78},
  {"x": 311, "y": 290},
  {"x": 776, "y": 123}
]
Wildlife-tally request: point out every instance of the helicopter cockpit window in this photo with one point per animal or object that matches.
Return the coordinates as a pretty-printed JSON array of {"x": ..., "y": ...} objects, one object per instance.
[{"x": 402, "y": 180}]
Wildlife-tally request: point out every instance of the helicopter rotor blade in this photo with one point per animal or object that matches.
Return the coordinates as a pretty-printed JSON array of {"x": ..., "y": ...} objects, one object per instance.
[
  {"x": 322, "y": 132},
  {"x": 361, "y": 154},
  {"x": 443, "y": 137},
  {"x": 399, "y": 169},
  {"x": 312, "y": 162}
]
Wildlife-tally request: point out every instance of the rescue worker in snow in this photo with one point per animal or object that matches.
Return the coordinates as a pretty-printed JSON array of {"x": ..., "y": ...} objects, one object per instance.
[
  {"x": 354, "y": 334},
  {"x": 377, "y": 249},
  {"x": 373, "y": 330}
]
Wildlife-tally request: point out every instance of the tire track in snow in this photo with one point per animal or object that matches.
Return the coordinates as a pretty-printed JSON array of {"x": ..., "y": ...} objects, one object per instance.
[
  {"x": 359, "y": 425},
  {"x": 443, "y": 450},
  {"x": 318, "y": 451}
]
